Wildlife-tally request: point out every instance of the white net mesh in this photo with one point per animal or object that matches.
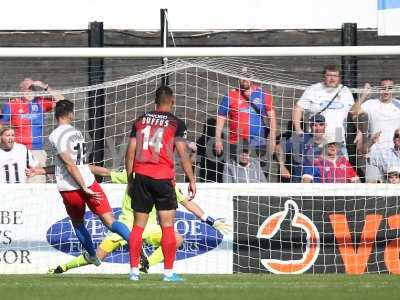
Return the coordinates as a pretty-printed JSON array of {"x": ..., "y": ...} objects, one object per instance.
[
  {"x": 278, "y": 228},
  {"x": 200, "y": 85}
]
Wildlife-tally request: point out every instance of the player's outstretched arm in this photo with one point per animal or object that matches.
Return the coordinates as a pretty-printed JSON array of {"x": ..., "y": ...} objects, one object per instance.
[
  {"x": 30, "y": 172},
  {"x": 100, "y": 171},
  {"x": 219, "y": 224}
]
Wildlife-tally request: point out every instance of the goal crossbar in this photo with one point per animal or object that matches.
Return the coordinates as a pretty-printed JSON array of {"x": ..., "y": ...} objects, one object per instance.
[{"x": 130, "y": 52}]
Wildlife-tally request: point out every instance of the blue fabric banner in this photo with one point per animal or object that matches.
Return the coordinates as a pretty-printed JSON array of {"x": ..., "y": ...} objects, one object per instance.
[
  {"x": 388, "y": 17},
  {"x": 388, "y": 4}
]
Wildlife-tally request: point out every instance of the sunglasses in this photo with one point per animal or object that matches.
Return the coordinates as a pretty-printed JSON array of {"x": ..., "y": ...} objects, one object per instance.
[{"x": 396, "y": 135}]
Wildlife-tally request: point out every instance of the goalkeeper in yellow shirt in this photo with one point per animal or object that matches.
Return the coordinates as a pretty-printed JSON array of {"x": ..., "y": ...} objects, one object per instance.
[{"x": 151, "y": 234}]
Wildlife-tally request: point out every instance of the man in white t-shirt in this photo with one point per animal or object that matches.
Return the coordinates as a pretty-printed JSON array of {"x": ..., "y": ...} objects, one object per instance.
[
  {"x": 76, "y": 183},
  {"x": 382, "y": 114},
  {"x": 382, "y": 160},
  {"x": 329, "y": 98},
  {"x": 14, "y": 158}
]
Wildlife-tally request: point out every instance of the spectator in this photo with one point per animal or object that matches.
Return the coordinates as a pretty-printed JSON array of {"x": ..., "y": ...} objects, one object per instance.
[
  {"x": 306, "y": 148},
  {"x": 383, "y": 159},
  {"x": 247, "y": 108},
  {"x": 15, "y": 158},
  {"x": 393, "y": 176},
  {"x": 330, "y": 167},
  {"x": 355, "y": 156},
  {"x": 245, "y": 170},
  {"x": 284, "y": 159},
  {"x": 26, "y": 115},
  {"x": 383, "y": 114},
  {"x": 329, "y": 98},
  {"x": 191, "y": 151},
  {"x": 211, "y": 166}
]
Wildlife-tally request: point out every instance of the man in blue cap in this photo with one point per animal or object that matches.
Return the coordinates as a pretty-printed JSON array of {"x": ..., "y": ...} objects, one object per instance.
[{"x": 303, "y": 149}]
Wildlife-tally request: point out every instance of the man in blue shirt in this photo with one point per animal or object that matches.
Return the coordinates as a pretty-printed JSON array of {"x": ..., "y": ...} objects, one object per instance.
[{"x": 303, "y": 149}]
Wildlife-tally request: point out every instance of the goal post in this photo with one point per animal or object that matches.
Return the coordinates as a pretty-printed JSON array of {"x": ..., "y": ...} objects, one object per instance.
[
  {"x": 283, "y": 228},
  {"x": 108, "y": 52}
]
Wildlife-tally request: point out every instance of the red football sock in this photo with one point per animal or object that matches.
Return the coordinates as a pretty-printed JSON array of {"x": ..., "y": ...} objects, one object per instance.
[
  {"x": 168, "y": 245},
  {"x": 135, "y": 245}
]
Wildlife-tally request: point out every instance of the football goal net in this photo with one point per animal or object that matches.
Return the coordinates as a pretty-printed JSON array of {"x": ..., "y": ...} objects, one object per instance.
[{"x": 292, "y": 187}]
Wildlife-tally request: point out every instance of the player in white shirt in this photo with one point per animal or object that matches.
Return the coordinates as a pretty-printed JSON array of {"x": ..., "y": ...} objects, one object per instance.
[
  {"x": 14, "y": 158},
  {"x": 66, "y": 139},
  {"x": 383, "y": 113},
  {"x": 317, "y": 99},
  {"x": 75, "y": 181}
]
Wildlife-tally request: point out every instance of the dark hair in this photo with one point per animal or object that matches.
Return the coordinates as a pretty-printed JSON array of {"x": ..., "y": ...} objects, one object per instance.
[
  {"x": 246, "y": 150},
  {"x": 331, "y": 68},
  {"x": 63, "y": 108},
  {"x": 164, "y": 95}
]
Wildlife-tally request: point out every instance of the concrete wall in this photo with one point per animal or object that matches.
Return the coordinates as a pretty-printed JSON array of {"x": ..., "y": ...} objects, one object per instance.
[{"x": 72, "y": 72}]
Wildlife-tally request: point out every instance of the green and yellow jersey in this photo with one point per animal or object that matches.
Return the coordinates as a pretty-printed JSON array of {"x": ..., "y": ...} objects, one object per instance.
[
  {"x": 152, "y": 232},
  {"x": 126, "y": 215}
]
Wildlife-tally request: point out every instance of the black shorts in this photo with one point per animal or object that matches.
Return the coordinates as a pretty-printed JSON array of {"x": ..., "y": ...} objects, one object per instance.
[{"x": 147, "y": 192}]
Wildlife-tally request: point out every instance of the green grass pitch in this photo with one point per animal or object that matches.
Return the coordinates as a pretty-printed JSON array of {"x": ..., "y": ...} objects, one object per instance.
[{"x": 232, "y": 287}]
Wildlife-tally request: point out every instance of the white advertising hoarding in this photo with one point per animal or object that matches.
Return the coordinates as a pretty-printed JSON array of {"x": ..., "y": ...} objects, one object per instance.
[{"x": 35, "y": 233}]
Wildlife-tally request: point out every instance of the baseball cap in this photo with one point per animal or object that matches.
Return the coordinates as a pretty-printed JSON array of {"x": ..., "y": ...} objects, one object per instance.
[
  {"x": 317, "y": 118},
  {"x": 331, "y": 138},
  {"x": 393, "y": 170}
]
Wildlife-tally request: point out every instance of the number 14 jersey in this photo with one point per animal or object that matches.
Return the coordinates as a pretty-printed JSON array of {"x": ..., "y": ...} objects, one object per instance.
[
  {"x": 67, "y": 139},
  {"x": 155, "y": 134}
]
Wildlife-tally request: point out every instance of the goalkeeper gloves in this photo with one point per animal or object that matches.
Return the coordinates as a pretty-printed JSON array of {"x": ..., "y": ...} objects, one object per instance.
[{"x": 219, "y": 224}]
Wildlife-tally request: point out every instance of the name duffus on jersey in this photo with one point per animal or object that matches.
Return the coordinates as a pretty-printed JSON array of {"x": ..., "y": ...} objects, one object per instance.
[
  {"x": 155, "y": 120},
  {"x": 156, "y": 133}
]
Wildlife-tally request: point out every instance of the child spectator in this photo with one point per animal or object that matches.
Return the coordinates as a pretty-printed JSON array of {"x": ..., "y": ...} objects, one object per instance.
[{"x": 331, "y": 167}]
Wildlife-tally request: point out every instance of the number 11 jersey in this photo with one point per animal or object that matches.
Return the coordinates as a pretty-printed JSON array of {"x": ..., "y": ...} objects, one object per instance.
[
  {"x": 155, "y": 134},
  {"x": 14, "y": 162},
  {"x": 67, "y": 139}
]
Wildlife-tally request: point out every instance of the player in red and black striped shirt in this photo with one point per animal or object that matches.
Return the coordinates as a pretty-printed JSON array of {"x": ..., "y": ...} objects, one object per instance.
[{"x": 150, "y": 155}]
